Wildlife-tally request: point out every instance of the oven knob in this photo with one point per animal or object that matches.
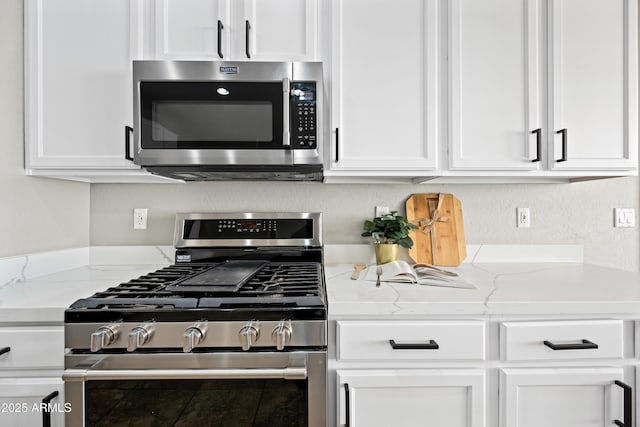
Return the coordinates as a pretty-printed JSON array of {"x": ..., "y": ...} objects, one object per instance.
[
  {"x": 139, "y": 336},
  {"x": 249, "y": 334},
  {"x": 104, "y": 336},
  {"x": 193, "y": 336},
  {"x": 281, "y": 334}
]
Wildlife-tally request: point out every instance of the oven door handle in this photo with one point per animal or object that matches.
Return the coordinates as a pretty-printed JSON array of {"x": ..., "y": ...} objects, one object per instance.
[{"x": 289, "y": 373}]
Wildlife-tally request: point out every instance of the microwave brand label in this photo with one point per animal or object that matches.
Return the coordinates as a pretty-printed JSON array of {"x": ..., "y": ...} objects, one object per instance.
[{"x": 228, "y": 69}]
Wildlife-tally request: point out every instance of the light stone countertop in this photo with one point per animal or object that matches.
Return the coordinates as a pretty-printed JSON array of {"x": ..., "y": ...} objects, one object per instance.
[
  {"x": 38, "y": 288},
  {"x": 502, "y": 289}
]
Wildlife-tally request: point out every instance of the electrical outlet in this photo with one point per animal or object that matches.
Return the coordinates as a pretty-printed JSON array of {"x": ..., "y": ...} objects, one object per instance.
[
  {"x": 624, "y": 217},
  {"x": 140, "y": 218},
  {"x": 382, "y": 210},
  {"x": 523, "y": 217}
]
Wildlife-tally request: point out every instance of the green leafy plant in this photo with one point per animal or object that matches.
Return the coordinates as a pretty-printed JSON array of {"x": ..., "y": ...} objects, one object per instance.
[{"x": 390, "y": 228}]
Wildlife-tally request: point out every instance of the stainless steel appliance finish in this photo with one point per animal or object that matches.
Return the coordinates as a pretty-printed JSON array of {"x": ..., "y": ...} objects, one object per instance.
[
  {"x": 229, "y": 120},
  {"x": 206, "y": 333}
]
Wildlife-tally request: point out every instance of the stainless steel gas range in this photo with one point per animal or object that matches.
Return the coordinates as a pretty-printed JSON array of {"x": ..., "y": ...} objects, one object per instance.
[{"x": 233, "y": 334}]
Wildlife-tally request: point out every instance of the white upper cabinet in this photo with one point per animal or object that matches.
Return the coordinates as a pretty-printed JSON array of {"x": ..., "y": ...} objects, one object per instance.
[
  {"x": 593, "y": 84},
  {"x": 78, "y": 89},
  {"x": 267, "y": 30},
  {"x": 384, "y": 86},
  {"x": 494, "y": 66},
  {"x": 548, "y": 86},
  {"x": 192, "y": 29}
]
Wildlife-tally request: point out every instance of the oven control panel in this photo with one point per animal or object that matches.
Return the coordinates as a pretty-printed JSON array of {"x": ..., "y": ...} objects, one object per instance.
[
  {"x": 303, "y": 115},
  {"x": 249, "y": 228}
]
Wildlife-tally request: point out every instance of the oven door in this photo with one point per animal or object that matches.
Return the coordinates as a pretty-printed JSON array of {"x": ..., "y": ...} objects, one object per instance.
[{"x": 197, "y": 389}]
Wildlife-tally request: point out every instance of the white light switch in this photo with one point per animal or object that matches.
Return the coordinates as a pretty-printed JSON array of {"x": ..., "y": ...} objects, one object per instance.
[{"x": 624, "y": 217}]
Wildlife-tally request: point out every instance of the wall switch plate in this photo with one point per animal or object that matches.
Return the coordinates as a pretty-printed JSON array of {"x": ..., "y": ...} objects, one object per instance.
[
  {"x": 624, "y": 217},
  {"x": 523, "y": 218},
  {"x": 140, "y": 218},
  {"x": 382, "y": 210}
]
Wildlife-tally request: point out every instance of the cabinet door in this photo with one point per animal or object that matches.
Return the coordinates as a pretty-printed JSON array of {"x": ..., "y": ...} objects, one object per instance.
[
  {"x": 21, "y": 401},
  {"x": 494, "y": 91},
  {"x": 409, "y": 398},
  {"x": 278, "y": 30},
  {"x": 193, "y": 29},
  {"x": 384, "y": 85},
  {"x": 584, "y": 397},
  {"x": 78, "y": 82},
  {"x": 593, "y": 84}
]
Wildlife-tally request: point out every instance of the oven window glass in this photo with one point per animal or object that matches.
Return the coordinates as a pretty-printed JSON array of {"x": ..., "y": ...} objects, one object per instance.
[
  {"x": 209, "y": 121},
  {"x": 197, "y": 403}
]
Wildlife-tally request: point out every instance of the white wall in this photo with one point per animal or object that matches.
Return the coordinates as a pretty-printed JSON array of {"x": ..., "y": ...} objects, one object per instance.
[
  {"x": 37, "y": 214},
  {"x": 577, "y": 213}
]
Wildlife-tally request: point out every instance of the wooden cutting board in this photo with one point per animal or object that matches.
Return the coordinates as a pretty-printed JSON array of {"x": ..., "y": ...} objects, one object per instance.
[{"x": 439, "y": 239}]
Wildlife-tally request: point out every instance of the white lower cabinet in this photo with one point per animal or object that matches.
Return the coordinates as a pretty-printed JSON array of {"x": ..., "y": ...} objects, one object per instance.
[
  {"x": 485, "y": 372},
  {"x": 562, "y": 397},
  {"x": 411, "y": 397},
  {"x": 31, "y": 386},
  {"x": 28, "y": 402}
]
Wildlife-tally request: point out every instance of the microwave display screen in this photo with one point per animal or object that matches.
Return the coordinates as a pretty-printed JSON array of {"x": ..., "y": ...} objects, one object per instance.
[{"x": 211, "y": 121}]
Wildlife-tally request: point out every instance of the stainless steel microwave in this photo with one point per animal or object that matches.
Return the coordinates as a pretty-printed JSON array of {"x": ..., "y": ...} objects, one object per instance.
[{"x": 210, "y": 120}]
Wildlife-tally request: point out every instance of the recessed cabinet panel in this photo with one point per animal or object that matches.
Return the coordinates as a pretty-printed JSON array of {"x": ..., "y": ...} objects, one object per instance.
[
  {"x": 384, "y": 85},
  {"x": 20, "y": 400},
  {"x": 411, "y": 397},
  {"x": 561, "y": 340},
  {"x": 78, "y": 82},
  {"x": 188, "y": 29},
  {"x": 594, "y": 84},
  {"x": 494, "y": 85},
  {"x": 280, "y": 29},
  {"x": 416, "y": 340},
  {"x": 26, "y": 344},
  {"x": 579, "y": 397}
]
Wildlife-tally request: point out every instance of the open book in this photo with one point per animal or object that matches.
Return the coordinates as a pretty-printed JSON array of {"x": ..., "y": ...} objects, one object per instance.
[{"x": 401, "y": 271}]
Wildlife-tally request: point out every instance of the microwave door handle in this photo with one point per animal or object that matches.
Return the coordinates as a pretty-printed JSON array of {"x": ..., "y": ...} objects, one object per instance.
[{"x": 286, "y": 90}]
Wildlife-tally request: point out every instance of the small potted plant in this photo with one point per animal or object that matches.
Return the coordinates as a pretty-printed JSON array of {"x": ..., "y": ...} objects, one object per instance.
[{"x": 388, "y": 231}]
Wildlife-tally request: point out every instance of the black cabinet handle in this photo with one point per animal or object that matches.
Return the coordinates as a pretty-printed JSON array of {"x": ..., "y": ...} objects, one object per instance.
[
  {"x": 4, "y": 350},
  {"x": 128, "y": 130},
  {"x": 538, "y": 133},
  {"x": 563, "y": 132},
  {"x": 583, "y": 345},
  {"x": 627, "y": 405},
  {"x": 430, "y": 345},
  {"x": 347, "y": 408},
  {"x": 337, "y": 146},
  {"x": 220, "y": 28},
  {"x": 46, "y": 414},
  {"x": 247, "y": 27}
]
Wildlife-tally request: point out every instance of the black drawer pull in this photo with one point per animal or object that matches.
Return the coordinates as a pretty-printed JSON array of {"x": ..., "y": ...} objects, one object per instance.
[
  {"x": 538, "y": 133},
  {"x": 584, "y": 345},
  {"x": 563, "y": 132},
  {"x": 128, "y": 130},
  {"x": 347, "y": 405},
  {"x": 4, "y": 350},
  {"x": 627, "y": 405},
  {"x": 430, "y": 345},
  {"x": 46, "y": 414},
  {"x": 220, "y": 28}
]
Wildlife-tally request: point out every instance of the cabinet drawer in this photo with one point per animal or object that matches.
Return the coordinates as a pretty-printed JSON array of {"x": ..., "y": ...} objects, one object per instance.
[
  {"x": 402, "y": 340},
  {"x": 558, "y": 340},
  {"x": 32, "y": 347}
]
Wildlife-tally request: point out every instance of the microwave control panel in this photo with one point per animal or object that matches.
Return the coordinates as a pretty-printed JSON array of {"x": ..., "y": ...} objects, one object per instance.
[{"x": 303, "y": 115}]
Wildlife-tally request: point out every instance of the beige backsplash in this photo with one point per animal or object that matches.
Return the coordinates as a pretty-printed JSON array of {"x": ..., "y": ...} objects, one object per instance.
[{"x": 578, "y": 213}]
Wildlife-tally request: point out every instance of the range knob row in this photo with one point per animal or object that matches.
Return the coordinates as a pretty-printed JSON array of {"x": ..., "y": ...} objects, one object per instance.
[{"x": 249, "y": 334}]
